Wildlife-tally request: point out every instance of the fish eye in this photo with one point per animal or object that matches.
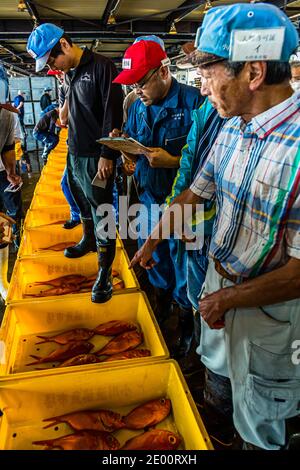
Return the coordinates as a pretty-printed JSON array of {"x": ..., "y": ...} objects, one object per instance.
[
  {"x": 172, "y": 439},
  {"x": 162, "y": 401}
]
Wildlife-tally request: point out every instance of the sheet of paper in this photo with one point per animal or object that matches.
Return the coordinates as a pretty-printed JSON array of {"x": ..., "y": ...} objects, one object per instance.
[
  {"x": 123, "y": 144},
  {"x": 98, "y": 182}
]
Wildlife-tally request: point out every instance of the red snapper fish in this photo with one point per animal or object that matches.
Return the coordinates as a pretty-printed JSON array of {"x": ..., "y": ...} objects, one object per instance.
[
  {"x": 148, "y": 414},
  {"x": 77, "y": 334},
  {"x": 69, "y": 289},
  {"x": 64, "y": 352},
  {"x": 156, "y": 439},
  {"x": 89, "y": 420},
  {"x": 62, "y": 281},
  {"x": 114, "y": 327},
  {"x": 80, "y": 360},
  {"x": 82, "y": 441},
  {"x": 59, "y": 246},
  {"x": 123, "y": 342},
  {"x": 132, "y": 354}
]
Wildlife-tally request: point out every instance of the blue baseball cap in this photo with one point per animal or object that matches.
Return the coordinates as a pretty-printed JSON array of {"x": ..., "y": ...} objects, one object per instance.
[
  {"x": 151, "y": 37},
  {"x": 230, "y": 32},
  {"x": 41, "y": 41}
]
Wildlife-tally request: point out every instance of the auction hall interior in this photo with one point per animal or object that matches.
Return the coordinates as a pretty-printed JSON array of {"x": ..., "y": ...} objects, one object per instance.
[{"x": 149, "y": 226}]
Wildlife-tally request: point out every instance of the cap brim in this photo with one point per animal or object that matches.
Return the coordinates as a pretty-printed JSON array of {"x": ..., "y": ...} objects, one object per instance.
[
  {"x": 188, "y": 48},
  {"x": 9, "y": 107},
  {"x": 129, "y": 77},
  {"x": 41, "y": 63},
  {"x": 184, "y": 63},
  {"x": 200, "y": 59}
]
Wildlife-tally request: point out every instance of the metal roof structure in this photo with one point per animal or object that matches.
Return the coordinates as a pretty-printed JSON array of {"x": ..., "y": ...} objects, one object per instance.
[{"x": 106, "y": 26}]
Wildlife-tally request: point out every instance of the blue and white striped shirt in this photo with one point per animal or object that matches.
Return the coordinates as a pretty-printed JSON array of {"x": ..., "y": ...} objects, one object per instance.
[{"x": 253, "y": 170}]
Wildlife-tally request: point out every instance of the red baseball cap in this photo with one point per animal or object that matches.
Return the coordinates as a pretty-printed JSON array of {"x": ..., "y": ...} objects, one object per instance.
[
  {"x": 139, "y": 59},
  {"x": 54, "y": 72}
]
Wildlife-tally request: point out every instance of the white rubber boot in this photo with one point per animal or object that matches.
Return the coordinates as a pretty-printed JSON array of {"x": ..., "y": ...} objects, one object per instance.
[{"x": 3, "y": 271}]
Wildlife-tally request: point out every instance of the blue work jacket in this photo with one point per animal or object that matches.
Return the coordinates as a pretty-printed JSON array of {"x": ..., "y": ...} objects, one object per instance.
[{"x": 168, "y": 130}]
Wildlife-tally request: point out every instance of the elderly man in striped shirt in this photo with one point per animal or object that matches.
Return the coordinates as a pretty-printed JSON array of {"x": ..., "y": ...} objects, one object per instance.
[{"x": 253, "y": 172}]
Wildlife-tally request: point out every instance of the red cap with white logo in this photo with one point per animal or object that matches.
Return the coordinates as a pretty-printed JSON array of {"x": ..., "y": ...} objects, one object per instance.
[{"x": 139, "y": 59}]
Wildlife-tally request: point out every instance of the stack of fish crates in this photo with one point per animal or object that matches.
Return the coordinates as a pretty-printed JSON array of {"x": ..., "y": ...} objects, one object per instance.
[{"x": 61, "y": 354}]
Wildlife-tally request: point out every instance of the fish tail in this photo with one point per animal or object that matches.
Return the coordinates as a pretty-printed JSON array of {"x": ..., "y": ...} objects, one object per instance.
[
  {"x": 44, "y": 338},
  {"x": 47, "y": 442},
  {"x": 37, "y": 361}
]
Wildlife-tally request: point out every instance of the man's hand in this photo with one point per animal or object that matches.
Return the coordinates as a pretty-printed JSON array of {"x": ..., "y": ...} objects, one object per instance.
[
  {"x": 105, "y": 168},
  {"x": 128, "y": 167},
  {"x": 8, "y": 221},
  {"x": 160, "y": 158},
  {"x": 117, "y": 133},
  {"x": 144, "y": 256},
  {"x": 125, "y": 155},
  {"x": 213, "y": 307},
  {"x": 14, "y": 179}
]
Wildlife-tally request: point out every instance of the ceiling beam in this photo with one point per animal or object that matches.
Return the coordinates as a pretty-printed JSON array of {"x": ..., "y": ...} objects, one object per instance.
[
  {"x": 33, "y": 12},
  {"x": 18, "y": 69},
  {"x": 111, "y": 6},
  {"x": 185, "y": 8},
  {"x": 281, "y": 3},
  {"x": 11, "y": 50},
  {"x": 20, "y": 29}
]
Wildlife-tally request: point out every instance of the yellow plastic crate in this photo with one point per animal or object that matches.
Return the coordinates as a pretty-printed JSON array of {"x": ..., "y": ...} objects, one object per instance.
[
  {"x": 34, "y": 240},
  {"x": 25, "y": 403},
  {"x": 46, "y": 216},
  {"x": 56, "y": 164},
  {"x": 44, "y": 184},
  {"x": 43, "y": 188},
  {"x": 54, "y": 198},
  {"x": 43, "y": 268},
  {"x": 23, "y": 321},
  {"x": 52, "y": 174},
  {"x": 59, "y": 154}
]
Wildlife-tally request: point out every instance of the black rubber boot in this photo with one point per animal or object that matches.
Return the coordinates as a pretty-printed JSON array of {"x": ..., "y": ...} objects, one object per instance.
[
  {"x": 163, "y": 304},
  {"x": 186, "y": 332},
  {"x": 86, "y": 244},
  {"x": 102, "y": 289},
  {"x": 71, "y": 224}
]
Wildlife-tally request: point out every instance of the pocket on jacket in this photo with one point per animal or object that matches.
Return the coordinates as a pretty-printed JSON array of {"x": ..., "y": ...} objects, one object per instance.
[
  {"x": 273, "y": 383},
  {"x": 175, "y": 139}
]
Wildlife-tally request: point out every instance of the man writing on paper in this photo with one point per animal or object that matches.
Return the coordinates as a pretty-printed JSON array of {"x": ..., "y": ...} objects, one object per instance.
[{"x": 159, "y": 119}]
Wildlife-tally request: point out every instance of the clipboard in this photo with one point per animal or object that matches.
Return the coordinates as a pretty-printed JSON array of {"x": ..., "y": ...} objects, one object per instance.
[{"x": 124, "y": 144}]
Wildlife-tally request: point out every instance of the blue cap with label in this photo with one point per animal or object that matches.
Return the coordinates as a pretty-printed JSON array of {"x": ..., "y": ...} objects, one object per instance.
[
  {"x": 246, "y": 32},
  {"x": 41, "y": 41},
  {"x": 151, "y": 37}
]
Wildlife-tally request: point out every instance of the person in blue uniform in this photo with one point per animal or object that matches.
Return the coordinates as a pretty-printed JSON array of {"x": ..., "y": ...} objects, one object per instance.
[{"x": 160, "y": 119}]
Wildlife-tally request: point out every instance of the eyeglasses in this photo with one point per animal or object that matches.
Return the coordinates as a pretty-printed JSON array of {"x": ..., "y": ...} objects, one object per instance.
[{"x": 145, "y": 80}]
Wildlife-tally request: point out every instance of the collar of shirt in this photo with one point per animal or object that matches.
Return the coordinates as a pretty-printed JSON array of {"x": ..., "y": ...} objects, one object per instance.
[
  {"x": 170, "y": 101},
  {"x": 86, "y": 57},
  {"x": 265, "y": 123}
]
